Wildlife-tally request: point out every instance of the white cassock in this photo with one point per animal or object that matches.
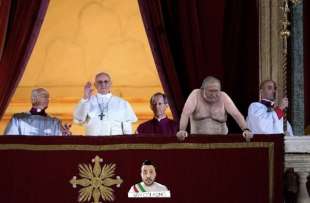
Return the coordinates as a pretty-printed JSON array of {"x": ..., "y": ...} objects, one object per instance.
[
  {"x": 28, "y": 124},
  {"x": 260, "y": 121},
  {"x": 105, "y": 115}
]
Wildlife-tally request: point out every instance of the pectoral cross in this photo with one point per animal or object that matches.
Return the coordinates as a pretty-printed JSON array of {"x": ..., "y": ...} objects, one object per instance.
[{"x": 101, "y": 115}]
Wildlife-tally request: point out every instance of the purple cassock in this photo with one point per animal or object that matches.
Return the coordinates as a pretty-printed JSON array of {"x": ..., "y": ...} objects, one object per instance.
[{"x": 165, "y": 126}]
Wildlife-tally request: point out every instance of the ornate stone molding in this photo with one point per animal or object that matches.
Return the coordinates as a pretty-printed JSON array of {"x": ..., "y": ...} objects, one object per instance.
[
  {"x": 297, "y": 144},
  {"x": 270, "y": 44}
]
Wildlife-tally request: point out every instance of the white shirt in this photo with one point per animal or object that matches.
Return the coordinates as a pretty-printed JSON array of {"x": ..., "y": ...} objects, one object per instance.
[
  {"x": 155, "y": 187},
  {"x": 260, "y": 121},
  {"x": 116, "y": 115}
]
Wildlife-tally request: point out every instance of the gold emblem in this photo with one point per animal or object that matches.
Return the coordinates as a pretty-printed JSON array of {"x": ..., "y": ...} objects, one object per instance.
[{"x": 96, "y": 181}]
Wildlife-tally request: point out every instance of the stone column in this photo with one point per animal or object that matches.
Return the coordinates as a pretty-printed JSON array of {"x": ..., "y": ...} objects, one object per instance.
[
  {"x": 301, "y": 165},
  {"x": 297, "y": 156},
  {"x": 297, "y": 69},
  {"x": 270, "y": 43}
]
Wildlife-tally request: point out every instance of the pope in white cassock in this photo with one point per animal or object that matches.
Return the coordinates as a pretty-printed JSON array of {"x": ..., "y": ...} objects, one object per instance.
[
  {"x": 264, "y": 117},
  {"x": 104, "y": 113}
]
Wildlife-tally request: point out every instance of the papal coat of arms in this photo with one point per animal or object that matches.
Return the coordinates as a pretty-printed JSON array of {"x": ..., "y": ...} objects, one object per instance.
[{"x": 96, "y": 181}]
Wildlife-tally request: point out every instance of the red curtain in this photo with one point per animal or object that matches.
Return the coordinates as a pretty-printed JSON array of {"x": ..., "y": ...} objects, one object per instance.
[
  {"x": 191, "y": 39},
  {"x": 19, "y": 28},
  {"x": 306, "y": 14},
  {"x": 240, "y": 55},
  {"x": 4, "y": 16},
  {"x": 155, "y": 26}
]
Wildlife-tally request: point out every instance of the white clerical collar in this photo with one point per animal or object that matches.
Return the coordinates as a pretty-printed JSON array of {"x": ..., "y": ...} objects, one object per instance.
[
  {"x": 104, "y": 96},
  {"x": 268, "y": 101},
  {"x": 159, "y": 119}
]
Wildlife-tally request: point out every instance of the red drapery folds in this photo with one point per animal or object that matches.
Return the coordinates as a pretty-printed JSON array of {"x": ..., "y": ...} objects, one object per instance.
[
  {"x": 4, "y": 16},
  {"x": 19, "y": 29},
  {"x": 204, "y": 169},
  {"x": 191, "y": 39},
  {"x": 155, "y": 27}
]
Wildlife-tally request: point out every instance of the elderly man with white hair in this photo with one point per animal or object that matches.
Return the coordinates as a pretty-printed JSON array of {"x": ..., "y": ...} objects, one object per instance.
[
  {"x": 103, "y": 113},
  {"x": 36, "y": 121},
  {"x": 207, "y": 109}
]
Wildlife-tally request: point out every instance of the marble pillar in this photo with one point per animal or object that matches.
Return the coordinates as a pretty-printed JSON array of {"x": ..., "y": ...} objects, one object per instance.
[{"x": 297, "y": 69}]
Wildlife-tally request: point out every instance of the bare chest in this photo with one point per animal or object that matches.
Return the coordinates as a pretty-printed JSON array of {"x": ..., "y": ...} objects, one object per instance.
[{"x": 214, "y": 111}]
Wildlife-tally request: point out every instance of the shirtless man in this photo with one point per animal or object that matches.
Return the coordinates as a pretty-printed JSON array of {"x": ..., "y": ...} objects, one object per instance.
[{"x": 207, "y": 110}]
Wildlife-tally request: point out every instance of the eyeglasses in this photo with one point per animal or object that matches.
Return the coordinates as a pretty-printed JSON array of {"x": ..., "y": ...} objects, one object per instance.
[{"x": 102, "y": 82}]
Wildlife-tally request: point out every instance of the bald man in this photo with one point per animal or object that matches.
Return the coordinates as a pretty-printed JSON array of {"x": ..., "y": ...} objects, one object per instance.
[
  {"x": 207, "y": 109},
  {"x": 103, "y": 113},
  {"x": 265, "y": 116}
]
